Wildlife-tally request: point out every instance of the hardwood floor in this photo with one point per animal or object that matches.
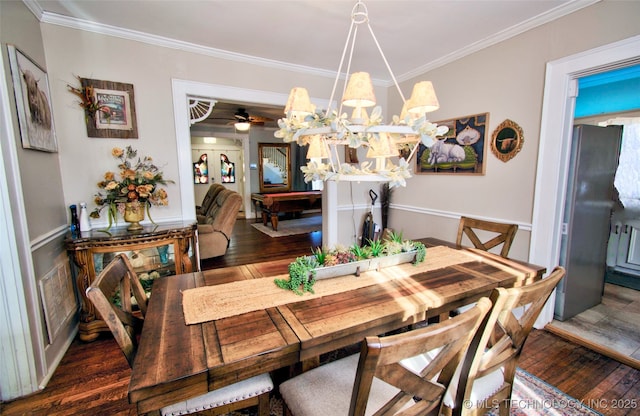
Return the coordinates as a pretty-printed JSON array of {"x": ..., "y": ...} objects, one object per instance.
[
  {"x": 251, "y": 246},
  {"x": 92, "y": 378}
]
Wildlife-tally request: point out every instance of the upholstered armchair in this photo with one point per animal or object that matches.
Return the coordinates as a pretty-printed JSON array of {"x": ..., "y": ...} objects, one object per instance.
[{"x": 216, "y": 224}]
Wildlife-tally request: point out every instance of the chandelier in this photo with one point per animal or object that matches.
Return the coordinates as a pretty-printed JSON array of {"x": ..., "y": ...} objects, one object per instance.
[{"x": 325, "y": 132}]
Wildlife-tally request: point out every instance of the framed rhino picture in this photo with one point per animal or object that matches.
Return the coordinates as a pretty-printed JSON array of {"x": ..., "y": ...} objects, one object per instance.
[
  {"x": 33, "y": 102},
  {"x": 461, "y": 151}
]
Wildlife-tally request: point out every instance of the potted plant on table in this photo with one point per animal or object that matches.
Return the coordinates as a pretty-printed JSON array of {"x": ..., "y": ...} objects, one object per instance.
[{"x": 341, "y": 260}]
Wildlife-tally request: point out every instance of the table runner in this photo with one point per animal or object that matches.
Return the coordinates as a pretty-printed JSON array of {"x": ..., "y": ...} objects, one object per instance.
[{"x": 209, "y": 303}]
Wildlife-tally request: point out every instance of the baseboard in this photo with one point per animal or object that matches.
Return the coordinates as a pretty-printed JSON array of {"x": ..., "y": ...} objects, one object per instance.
[
  {"x": 608, "y": 352},
  {"x": 624, "y": 279}
]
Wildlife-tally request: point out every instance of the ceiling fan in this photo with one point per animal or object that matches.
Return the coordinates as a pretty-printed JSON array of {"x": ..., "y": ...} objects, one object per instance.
[{"x": 243, "y": 121}]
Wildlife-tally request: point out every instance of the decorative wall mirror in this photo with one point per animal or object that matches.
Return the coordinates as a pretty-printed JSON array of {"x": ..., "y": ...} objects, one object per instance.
[{"x": 275, "y": 167}]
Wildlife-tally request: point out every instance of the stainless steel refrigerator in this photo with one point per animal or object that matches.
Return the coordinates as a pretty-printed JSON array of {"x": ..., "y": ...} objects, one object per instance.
[{"x": 587, "y": 218}]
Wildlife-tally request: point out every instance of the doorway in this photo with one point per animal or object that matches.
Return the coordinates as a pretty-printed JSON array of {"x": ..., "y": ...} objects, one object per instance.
[
  {"x": 182, "y": 90},
  {"x": 612, "y": 327},
  {"x": 217, "y": 161},
  {"x": 551, "y": 180},
  {"x": 555, "y": 132}
]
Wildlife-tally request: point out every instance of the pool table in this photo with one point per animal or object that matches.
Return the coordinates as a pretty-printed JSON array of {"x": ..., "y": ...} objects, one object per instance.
[{"x": 271, "y": 204}]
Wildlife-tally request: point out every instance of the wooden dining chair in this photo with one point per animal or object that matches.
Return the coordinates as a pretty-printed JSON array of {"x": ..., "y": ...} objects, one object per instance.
[
  {"x": 119, "y": 277},
  {"x": 486, "y": 376},
  {"x": 495, "y": 233},
  {"x": 374, "y": 380},
  {"x": 500, "y": 233}
]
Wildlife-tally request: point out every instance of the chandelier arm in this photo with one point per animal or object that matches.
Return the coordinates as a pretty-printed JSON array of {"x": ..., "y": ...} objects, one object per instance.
[
  {"x": 353, "y": 43},
  {"x": 413, "y": 151},
  {"x": 384, "y": 58},
  {"x": 334, "y": 148},
  {"x": 327, "y": 148},
  {"x": 335, "y": 83}
]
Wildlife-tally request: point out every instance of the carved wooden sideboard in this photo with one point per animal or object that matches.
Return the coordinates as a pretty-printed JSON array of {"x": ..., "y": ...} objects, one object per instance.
[{"x": 156, "y": 251}]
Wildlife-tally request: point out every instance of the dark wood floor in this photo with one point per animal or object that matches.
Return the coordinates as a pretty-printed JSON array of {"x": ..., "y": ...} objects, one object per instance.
[
  {"x": 92, "y": 378},
  {"x": 251, "y": 246}
]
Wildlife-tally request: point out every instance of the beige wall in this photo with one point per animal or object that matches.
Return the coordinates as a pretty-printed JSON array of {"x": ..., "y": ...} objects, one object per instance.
[
  {"x": 39, "y": 219},
  {"x": 507, "y": 81},
  {"x": 150, "y": 69},
  {"x": 40, "y": 171}
]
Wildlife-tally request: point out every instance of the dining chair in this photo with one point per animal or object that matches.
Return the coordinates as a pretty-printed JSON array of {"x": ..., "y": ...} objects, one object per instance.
[
  {"x": 485, "y": 377},
  {"x": 496, "y": 233},
  {"x": 505, "y": 234},
  {"x": 374, "y": 381},
  {"x": 124, "y": 322}
]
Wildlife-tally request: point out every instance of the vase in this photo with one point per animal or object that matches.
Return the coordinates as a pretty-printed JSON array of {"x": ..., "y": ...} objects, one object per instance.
[
  {"x": 133, "y": 214},
  {"x": 163, "y": 252}
]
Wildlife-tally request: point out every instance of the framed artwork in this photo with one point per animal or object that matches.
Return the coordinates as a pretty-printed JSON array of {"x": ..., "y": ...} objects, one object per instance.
[
  {"x": 351, "y": 155},
  {"x": 227, "y": 169},
  {"x": 460, "y": 151},
  {"x": 33, "y": 102},
  {"x": 201, "y": 170},
  {"x": 507, "y": 140},
  {"x": 117, "y": 115}
]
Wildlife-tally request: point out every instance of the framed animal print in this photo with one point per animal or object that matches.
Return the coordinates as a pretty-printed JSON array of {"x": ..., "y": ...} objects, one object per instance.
[
  {"x": 507, "y": 140},
  {"x": 33, "y": 102},
  {"x": 461, "y": 151}
]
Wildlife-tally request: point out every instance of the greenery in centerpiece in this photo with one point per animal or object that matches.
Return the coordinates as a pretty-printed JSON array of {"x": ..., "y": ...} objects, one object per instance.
[
  {"x": 292, "y": 129},
  {"x": 138, "y": 186},
  {"x": 302, "y": 271}
]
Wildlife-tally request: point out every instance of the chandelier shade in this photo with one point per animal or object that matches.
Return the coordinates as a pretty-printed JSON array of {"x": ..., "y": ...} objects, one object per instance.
[
  {"x": 423, "y": 99},
  {"x": 359, "y": 92},
  {"x": 382, "y": 146},
  {"x": 317, "y": 148},
  {"x": 326, "y": 131},
  {"x": 299, "y": 104}
]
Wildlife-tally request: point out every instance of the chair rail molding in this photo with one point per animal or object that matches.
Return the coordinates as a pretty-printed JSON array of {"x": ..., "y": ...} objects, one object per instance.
[{"x": 456, "y": 215}]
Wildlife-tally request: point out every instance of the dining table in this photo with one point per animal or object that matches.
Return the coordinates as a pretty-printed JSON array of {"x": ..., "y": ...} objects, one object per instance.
[{"x": 244, "y": 325}]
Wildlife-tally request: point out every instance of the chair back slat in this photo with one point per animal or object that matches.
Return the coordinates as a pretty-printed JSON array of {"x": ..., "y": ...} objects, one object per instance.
[
  {"x": 381, "y": 357},
  {"x": 506, "y": 234},
  {"x": 119, "y": 278},
  {"x": 501, "y": 337}
]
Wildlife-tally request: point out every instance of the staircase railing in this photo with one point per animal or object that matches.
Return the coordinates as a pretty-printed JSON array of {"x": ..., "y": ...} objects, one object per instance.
[{"x": 278, "y": 158}]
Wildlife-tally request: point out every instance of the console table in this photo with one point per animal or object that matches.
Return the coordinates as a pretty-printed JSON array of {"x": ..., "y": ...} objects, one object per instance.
[{"x": 156, "y": 250}]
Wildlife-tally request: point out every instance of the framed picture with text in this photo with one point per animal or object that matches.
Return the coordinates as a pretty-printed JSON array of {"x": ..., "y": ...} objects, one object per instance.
[{"x": 116, "y": 117}]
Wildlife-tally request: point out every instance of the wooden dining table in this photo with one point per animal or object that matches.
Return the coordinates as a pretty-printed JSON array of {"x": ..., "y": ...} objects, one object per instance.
[{"x": 176, "y": 361}]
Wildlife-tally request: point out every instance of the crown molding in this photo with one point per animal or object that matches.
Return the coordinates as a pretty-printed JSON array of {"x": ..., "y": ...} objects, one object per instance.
[
  {"x": 99, "y": 28},
  {"x": 108, "y": 30},
  {"x": 34, "y": 7},
  {"x": 551, "y": 15}
]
